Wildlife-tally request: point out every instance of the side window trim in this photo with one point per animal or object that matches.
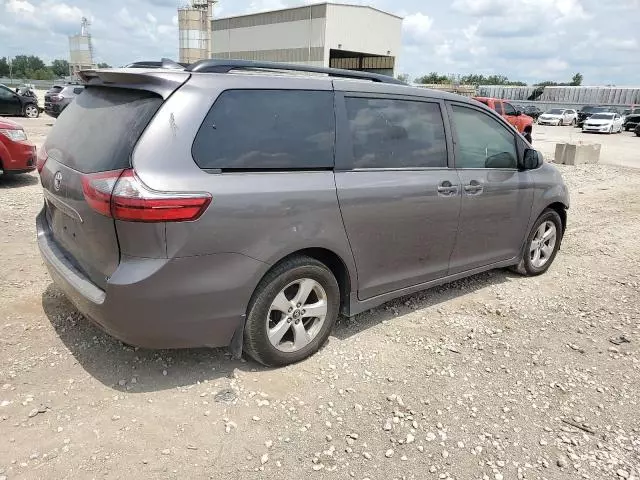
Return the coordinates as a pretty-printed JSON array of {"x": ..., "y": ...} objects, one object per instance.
[
  {"x": 507, "y": 126},
  {"x": 344, "y": 159}
]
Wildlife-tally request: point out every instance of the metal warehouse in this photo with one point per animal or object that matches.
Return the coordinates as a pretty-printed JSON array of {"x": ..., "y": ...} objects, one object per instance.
[{"x": 354, "y": 37}]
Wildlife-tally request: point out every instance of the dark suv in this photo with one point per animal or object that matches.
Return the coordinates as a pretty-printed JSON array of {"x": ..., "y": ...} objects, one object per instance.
[
  {"x": 59, "y": 97},
  {"x": 585, "y": 112},
  {"x": 235, "y": 203}
]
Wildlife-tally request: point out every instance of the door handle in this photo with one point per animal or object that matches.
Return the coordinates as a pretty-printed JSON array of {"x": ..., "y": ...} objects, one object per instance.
[
  {"x": 474, "y": 188},
  {"x": 447, "y": 189}
]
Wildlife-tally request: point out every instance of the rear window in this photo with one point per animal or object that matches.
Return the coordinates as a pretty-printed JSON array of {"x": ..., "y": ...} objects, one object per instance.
[
  {"x": 55, "y": 89},
  {"x": 99, "y": 129},
  {"x": 389, "y": 133},
  {"x": 267, "y": 130}
]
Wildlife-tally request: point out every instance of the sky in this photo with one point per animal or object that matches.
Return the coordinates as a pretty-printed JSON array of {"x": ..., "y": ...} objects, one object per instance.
[{"x": 527, "y": 40}]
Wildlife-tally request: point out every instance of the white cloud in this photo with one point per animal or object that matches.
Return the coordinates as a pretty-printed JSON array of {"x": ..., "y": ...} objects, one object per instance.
[
  {"x": 482, "y": 7},
  {"x": 417, "y": 25},
  {"x": 20, "y": 6}
]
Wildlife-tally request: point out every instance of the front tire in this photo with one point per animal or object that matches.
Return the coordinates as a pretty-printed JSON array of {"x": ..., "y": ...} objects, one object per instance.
[
  {"x": 31, "y": 111},
  {"x": 542, "y": 244},
  {"x": 573, "y": 122},
  {"x": 292, "y": 312}
]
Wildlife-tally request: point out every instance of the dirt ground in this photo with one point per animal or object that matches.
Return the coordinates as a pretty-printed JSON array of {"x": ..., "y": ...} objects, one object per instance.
[{"x": 494, "y": 377}]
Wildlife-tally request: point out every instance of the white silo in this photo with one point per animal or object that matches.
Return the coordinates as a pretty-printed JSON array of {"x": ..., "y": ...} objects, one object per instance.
[{"x": 194, "y": 30}]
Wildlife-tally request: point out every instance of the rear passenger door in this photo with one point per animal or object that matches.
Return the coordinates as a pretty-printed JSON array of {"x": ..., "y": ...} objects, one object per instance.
[
  {"x": 398, "y": 197},
  {"x": 496, "y": 196}
]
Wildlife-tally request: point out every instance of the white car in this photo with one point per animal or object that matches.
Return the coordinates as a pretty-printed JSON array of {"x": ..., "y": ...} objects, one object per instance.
[
  {"x": 603, "y": 123},
  {"x": 558, "y": 116}
]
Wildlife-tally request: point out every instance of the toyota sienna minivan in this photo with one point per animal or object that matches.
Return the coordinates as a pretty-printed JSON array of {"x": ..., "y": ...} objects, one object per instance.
[{"x": 244, "y": 204}]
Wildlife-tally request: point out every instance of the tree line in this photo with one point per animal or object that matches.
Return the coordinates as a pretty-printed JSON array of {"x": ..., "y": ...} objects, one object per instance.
[
  {"x": 32, "y": 67},
  {"x": 475, "y": 79}
]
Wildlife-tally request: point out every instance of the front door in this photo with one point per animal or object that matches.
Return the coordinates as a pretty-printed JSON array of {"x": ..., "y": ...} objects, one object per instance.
[
  {"x": 496, "y": 196},
  {"x": 9, "y": 102},
  {"x": 399, "y": 199}
]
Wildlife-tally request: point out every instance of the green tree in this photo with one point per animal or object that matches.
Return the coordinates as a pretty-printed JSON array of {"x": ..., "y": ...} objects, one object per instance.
[
  {"x": 576, "y": 81},
  {"x": 4, "y": 67},
  {"x": 433, "y": 78},
  {"x": 403, "y": 77},
  {"x": 60, "y": 68},
  {"x": 23, "y": 65},
  {"x": 106, "y": 65}
]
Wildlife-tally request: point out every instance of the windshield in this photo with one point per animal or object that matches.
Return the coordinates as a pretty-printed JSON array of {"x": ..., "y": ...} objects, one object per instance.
[
  {"x": 602, "y": 116},
  {"x": 555, "y": 111}
]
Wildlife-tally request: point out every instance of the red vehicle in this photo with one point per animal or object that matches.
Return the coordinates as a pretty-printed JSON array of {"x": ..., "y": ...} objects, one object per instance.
[
  {"x": 516, "y": 118},
  {"x": 17, "y": 154}
]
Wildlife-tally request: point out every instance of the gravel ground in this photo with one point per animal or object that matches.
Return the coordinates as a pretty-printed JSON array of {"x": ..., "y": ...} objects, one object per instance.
[{"x": 494, "y": 377}]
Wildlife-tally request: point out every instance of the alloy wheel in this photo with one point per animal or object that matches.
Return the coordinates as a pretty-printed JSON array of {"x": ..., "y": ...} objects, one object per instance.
[
  {"x": 543, "y": 244},
  {"x": 31, "y": 111},
  {"x": 296, "y": 315}
]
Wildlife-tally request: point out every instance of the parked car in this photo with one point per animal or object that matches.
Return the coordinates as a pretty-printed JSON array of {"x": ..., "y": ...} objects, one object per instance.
[
  {"x": 533, "y": 111},
  {"x": 558, "y": 116},
  {"x": 631, "y": 119},
  {"x": 12, "y": 103},
  {"x": 587, "y": 111},
  {"x": 515, "y": 117},
  {"x": 17, "y": 154},
  {"x": 603, "y": 123},
  {"x": 282, "y": 201},
  {"x": 59, "y": 97}
]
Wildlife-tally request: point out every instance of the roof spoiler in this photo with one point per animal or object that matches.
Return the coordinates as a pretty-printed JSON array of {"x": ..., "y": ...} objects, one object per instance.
[{"x": 161, "y": 82}]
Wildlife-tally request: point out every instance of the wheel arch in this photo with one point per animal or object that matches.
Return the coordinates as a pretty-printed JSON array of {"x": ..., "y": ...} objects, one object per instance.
[
  {"x": 561, "y": 209},
  {"x": 333, "y": 261}
]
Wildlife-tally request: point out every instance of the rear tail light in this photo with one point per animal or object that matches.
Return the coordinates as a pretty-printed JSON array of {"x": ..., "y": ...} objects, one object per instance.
[
  {"x": 56, "y": 98},
  {"x": 41, "y": 159},
  {"x": 121, "y": 195}
]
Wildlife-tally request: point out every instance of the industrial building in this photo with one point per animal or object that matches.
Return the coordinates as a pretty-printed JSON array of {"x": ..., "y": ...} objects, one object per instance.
[
  {"x": 564, "y": 96},
  {"x": 353, "y": 37}
]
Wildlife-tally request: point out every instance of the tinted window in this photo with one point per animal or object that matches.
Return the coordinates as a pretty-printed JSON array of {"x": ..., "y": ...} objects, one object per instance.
[
  {"x": 482, "y": 141},
  {"x": 78, "y": 90},
  {"x": 100, "y": 128},
  {"x": 267, "y": 129},
  {"x": 390, "y": 133},
  {"x": 508, "y": 109},
  {"x": 6, "y": 93},
  {"x": 498, "y": 108}
]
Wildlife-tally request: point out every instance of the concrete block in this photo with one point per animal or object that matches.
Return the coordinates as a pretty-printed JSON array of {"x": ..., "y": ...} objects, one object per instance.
[{"x": 577, "y": 154}]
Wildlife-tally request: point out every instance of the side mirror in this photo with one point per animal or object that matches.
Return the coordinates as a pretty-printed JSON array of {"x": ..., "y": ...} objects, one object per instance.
[
  {"x": 518, "y": 113},
  {"x": 532, "y": 159}
]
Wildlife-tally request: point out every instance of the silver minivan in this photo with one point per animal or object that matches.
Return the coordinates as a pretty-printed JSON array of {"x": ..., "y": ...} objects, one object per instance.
[{"x": 245, "y": 204}]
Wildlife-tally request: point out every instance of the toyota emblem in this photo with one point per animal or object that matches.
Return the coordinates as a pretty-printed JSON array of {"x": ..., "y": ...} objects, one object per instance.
[{"x": 57, "y": 181}]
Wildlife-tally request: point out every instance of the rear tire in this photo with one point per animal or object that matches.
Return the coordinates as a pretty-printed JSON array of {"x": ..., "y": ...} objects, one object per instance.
[
  {"x": 303, "y": 335},
  {"x": 573, "y": 122},
  {"x": 534, "y": 261}
]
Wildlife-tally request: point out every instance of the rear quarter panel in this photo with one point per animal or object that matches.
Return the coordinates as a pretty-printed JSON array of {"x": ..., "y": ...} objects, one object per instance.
[{"x": 263, "y": 215}]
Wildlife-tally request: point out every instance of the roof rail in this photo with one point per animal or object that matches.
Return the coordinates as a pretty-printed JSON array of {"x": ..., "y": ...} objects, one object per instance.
[{"x": 225, "y": 66}]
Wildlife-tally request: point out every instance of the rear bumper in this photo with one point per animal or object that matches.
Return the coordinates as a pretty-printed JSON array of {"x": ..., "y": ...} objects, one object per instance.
[
  {"x": 22, "y": 158},
  {"x": 160, "y": 303},
  {"x": 53, "y": 109}
]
